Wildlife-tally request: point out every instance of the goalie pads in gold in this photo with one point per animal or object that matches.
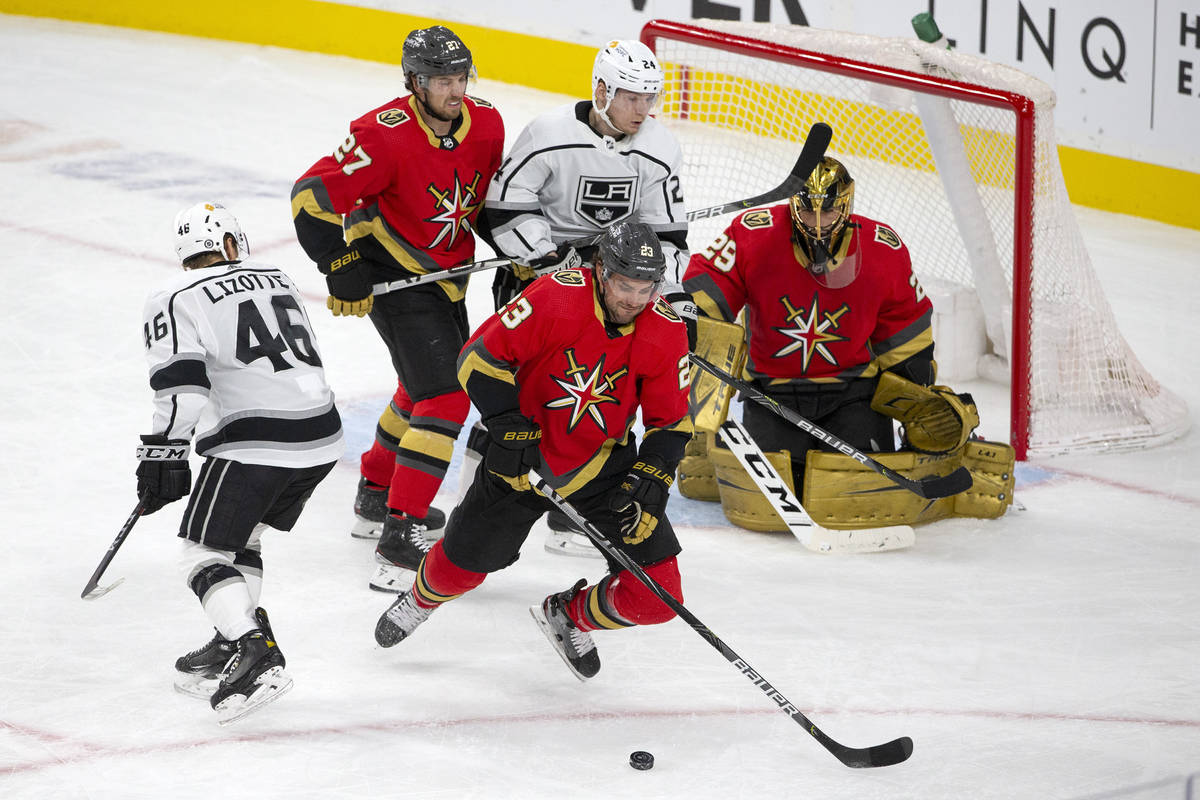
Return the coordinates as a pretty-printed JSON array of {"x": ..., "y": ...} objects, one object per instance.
[
  {"x": 935, "y": 419},
  {"x": 742, "y": 502},
  {"x": 697, "y": 479},
  {"x": 723, "y": 344},
  {"x": 841, "y": 493}
]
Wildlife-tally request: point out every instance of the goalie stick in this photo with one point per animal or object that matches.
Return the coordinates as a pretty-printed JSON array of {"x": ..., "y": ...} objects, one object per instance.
[
  {"x": 810, "y": 155},
  {"x": 793, "y": 514},
  {"x": 881, "y": 755},
  {"x": 930, "y": 488},
  {"x": 93, "y": 589}
]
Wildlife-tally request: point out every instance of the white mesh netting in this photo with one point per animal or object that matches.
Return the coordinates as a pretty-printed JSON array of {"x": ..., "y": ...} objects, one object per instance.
[{"x": 944, "y": 174}]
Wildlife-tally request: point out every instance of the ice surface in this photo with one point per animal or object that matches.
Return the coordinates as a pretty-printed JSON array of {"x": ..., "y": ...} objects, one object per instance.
[{"x": 1050, "y": 654}]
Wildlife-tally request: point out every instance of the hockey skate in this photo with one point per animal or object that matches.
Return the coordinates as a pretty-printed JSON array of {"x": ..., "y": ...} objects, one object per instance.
[
  {"x": 400, "y": 620},
  {"x": 198, "y": 673},
  {"x": 370, "y": 512},
  {"x": 574, "y": 647},
  {"x": 400, "y": 549},
  {"x": 251, "y": 679},
  {"x": 565, "y": 538}
]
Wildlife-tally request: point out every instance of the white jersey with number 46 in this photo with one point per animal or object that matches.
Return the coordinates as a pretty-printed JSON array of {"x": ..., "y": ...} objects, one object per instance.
[
  {"x": 234, "y": 361},
  {"x": 563, "y": 181}
]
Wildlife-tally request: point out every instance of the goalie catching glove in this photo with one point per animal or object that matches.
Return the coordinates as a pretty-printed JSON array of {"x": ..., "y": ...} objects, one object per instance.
[
  {"x": 348, "y": 276},
  {"x": 641, "y": 498},
  {"x": 514, "y": 448},
  {"x": 163, "y": 473},
  {"x": 935, "y": 418}
]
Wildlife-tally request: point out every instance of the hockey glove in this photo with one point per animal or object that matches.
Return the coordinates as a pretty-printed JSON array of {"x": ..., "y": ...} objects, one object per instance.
[
  {"x": 685, "y": 307},
  {"x": 641, "y": 498},
  {"x": 348, "y": 276},
  {"x": 942, "y": 423},
  {"x": 514, "y": 448},
  {"x": 163, "y": 473},
  {"x": 551, "y": 262}
]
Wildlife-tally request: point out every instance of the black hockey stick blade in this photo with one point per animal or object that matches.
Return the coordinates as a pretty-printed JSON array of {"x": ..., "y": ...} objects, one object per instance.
[
  {"x": 881, "y": 755},
  {"x": 93, "y": 589},
  {"x": 811, "y": 154},
  {"x": 930, "y": 488},
  {"x": 935, "y": 486},
  {"x": 878, "y": 756}
]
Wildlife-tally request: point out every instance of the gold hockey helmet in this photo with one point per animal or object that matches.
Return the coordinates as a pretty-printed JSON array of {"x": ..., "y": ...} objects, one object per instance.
[{"x": 821, "y": 209}]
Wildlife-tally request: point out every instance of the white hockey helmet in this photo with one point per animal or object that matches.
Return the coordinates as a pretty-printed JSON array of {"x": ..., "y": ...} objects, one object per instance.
[
  {"x": 202, "y": 228},
  {"x": 626, "y": 64}
]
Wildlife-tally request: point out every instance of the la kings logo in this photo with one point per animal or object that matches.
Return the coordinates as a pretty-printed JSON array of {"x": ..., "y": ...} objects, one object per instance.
[{"x": 605, "y": 200}]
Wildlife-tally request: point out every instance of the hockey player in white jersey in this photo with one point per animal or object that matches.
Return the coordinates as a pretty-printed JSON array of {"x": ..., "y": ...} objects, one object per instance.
[
  {"x": 576, "y": 170},
  {"x": 234, "y": 364}
]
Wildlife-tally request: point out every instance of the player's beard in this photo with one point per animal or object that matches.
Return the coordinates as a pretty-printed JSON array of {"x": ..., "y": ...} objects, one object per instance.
[
  {"x": 440, "y": 117},
  {"x": 618, "y": 313}
]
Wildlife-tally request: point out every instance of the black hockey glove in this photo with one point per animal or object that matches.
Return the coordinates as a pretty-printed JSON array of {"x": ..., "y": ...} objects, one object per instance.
[
  {"x": 348, "y": 276},
  {"x": 685, "y": 307},
  {"x": 163, "y": 474},
  {"x": 641, "y": 498},
  {"x": 514, "y": 448}
]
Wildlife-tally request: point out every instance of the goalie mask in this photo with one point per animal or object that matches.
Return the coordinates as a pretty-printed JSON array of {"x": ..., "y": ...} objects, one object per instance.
[
  {"x": 434, "y": 51},
  {"x": 625, "y": 64},
  {"x": 820, "y": 213},
  {"x": 203, "y": 228}
]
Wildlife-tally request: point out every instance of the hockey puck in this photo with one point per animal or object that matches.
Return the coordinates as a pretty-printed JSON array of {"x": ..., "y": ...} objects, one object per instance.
[{"x": 640, "y": 759}]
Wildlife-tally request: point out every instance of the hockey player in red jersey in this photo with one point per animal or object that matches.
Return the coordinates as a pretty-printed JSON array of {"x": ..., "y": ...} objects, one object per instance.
[
  {"x": 558, "y": 376},
  {"x": 572, "y": 172},
  {"x": 397, "y": 198},
  {"x": 832, "y": 302}
]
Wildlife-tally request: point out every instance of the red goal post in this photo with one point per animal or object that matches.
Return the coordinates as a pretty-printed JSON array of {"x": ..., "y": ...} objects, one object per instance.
[{"x": 958, "y": 155}]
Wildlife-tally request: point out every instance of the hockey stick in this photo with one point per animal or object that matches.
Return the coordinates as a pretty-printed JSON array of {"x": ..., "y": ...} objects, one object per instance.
[
  {"x": 810, "y": 155},
  {"x": 930, "y": 488},
  {"x": 793, "y": 514},
  {"x": 881, "y": 755},
  {"x": 479, "y": 266},
  {"x": 93, "y": 588}
]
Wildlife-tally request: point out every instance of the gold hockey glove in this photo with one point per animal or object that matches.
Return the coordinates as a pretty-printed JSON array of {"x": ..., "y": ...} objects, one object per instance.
[{"x": 935, "y": 418}]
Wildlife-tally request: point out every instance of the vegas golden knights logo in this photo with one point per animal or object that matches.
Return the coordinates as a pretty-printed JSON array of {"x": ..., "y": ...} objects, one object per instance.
[
  {"x": 586, "y": 389},
  {"x": 392, "y": 117}
]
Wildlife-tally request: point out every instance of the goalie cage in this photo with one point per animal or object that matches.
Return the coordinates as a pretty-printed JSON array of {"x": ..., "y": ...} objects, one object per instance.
[{"x": 959, "y": 155}]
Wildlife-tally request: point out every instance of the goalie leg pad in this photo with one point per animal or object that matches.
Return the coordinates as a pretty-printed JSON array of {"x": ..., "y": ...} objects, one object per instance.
[
  {"x": 722, "y": 344},
  {"x": 840, "y": 493},
  {"x": 741, "y": 500},
  {"x": 697, "y": 479}
]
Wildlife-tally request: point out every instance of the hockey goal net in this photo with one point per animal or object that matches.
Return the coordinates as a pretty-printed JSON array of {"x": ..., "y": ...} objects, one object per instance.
[{"x": 958, "y": 155}]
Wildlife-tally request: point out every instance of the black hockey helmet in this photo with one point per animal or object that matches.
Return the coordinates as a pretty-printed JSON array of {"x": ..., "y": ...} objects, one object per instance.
[
  {"x": 633, "y": 250},
  {"x": 434, "y": 51}
]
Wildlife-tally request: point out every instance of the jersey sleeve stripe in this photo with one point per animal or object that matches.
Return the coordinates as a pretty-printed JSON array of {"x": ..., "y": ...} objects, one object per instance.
[{"x": 183, "y": 372}]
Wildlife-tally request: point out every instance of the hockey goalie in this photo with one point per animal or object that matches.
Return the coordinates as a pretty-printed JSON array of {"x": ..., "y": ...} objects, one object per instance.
[{"x": 839, "y": 330}]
